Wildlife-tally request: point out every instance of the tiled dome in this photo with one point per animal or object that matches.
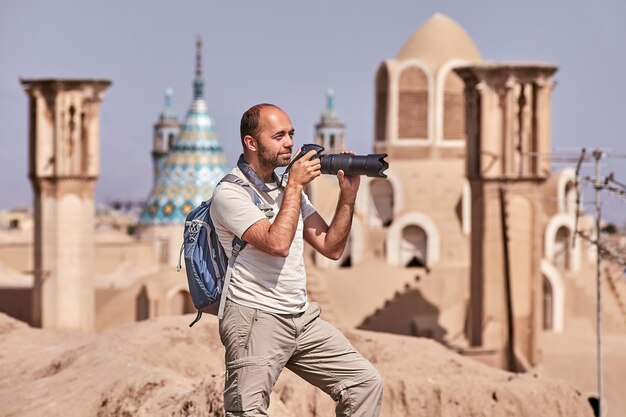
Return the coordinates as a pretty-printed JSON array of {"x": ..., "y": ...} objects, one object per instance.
[{"x": 193, "y": 167}]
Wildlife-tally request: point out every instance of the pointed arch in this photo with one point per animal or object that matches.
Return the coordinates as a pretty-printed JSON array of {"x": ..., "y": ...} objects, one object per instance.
[
  {"x": 566, "y": 191},
  {"x": 558, "y": 244},
  {"x": 557, "y": 297},
  {"x": 562, "y": 248},
  {"x": 397, "y": 241},
  {"x": 411, "y": 87},
  {"x": 453, "y": 108},
  {"x": 367, "y": 205},
  {"x": 414, "y": 247},
  {"x": 570, "y": 197},
  {"x": 449, "y": 129},
  {"x": 413, "y": 109},
  {"x": 382, "y": 200}
]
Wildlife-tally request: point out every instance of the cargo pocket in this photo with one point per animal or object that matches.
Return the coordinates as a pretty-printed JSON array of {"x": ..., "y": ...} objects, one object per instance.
[
  {"x": 245, "y": 323},
  {"x": 247, "y": 385},
  {"x": 235, "y": 329}
]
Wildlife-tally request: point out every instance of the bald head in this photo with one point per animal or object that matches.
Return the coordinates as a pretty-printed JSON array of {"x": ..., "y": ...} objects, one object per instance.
[{"x": 250, "y": 121}]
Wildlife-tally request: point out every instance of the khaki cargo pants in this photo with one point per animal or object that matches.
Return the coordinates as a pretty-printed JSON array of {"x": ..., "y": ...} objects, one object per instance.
[{"x": 259, "y": 345}]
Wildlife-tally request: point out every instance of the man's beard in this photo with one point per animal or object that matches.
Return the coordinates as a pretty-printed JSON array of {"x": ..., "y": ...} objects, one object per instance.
[{"x": 269, "y": 159}]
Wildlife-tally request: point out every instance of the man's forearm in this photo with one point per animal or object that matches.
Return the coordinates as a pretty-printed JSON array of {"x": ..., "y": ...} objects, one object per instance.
[
  {"x": 339, "y": 229},
  {"x": 283, "y": 230}
]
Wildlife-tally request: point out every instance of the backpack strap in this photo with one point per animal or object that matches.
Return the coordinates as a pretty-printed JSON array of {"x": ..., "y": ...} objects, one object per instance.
[
  {"x": 239, "y": 244},
  {"x": 234, "y": 179}
]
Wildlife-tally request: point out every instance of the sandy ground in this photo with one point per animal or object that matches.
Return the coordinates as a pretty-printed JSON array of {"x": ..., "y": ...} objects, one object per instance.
[
  {"x": 572, "y": 357},
  {"x": 162, "y": 367}
]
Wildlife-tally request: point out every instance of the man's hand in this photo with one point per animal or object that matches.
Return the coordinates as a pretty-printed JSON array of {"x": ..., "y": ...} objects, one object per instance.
[
  {"x": 275, "y": 238},
  {"x": 331, "y": 240},
  {"x": 349, "y": 185},
  {"x": 304, "y": 170}
]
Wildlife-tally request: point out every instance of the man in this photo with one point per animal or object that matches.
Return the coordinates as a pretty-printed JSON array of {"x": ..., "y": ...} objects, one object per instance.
[{"x": 268, "y": 323}]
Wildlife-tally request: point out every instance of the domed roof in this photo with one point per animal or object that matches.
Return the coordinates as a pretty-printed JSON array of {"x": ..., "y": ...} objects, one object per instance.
[
  {"x": 192, "y": 169},
  {"x": 437, "y": 41}
]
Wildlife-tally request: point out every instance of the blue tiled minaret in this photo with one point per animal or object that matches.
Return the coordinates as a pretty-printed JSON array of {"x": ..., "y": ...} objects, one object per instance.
[
  {"x": 165, "y": 130},
  {"x": 330, "y": 131},
  {"x": 193, "y": 167}
]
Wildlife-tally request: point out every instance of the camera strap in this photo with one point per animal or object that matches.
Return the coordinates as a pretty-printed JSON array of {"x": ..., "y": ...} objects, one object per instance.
[
  {"x": 286, "y": 172},
  {"x": 254, "y": 179}
]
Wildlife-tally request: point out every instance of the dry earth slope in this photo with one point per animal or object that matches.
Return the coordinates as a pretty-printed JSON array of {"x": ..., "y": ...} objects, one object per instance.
[{"x": 163, "y": 368}]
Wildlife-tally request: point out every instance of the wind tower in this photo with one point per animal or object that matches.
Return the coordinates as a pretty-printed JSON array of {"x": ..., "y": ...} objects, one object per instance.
[
  {"x": 64, "y": 153},
  {"x": 165, "y": 132},
  {"x": 193, "y": 167},
  {"x": 508, "y": 143},
  {"x": 330, "y": 132}
]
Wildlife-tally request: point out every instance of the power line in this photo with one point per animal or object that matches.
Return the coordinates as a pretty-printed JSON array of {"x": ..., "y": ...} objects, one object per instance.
[
  {"x": 603, "y": 185},
  {"x": 603, "y": 250},
  {"x": 615, "y": 188}
]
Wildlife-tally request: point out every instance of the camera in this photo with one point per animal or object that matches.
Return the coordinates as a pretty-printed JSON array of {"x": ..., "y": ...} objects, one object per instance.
[{"x": 372, "y": 165}]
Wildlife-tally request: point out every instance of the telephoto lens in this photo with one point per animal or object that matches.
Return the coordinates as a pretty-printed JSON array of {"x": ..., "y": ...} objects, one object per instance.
[{"x": 372, "y": 165}]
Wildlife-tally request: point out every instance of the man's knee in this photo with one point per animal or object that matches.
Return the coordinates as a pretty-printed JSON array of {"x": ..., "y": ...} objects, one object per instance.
[
  {"x": 361, "y": 400},
  {"x": 372, "y": 388}
]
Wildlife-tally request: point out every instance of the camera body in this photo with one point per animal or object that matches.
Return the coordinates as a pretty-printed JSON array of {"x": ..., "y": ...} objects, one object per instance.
[{"x": 371, "y": 165}]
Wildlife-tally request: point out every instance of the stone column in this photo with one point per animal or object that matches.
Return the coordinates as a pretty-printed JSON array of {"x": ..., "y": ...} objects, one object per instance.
[{"x": 64, "y": 151}]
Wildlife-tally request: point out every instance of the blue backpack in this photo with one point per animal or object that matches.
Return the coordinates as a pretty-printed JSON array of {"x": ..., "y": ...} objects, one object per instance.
[{"x": 206, "y": 264}]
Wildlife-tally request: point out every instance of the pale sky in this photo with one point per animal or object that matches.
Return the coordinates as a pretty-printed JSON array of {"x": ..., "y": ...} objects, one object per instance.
[{"x": 289, "y": 53}]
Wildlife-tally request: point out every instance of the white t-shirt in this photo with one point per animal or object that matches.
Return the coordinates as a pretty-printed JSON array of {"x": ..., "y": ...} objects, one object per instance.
[{"x": 259, "y": 280}]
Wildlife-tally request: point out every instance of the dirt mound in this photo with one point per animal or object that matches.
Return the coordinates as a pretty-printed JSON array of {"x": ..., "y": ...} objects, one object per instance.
[{"x": 163, "y": 368}]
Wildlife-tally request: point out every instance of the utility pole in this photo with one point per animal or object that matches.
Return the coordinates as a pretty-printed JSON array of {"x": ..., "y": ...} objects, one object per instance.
[
  {"x": 618, "y": 189},
  {"x": 597, "y": 155}
]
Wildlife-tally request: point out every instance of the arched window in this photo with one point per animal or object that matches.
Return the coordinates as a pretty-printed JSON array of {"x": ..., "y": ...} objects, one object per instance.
[
  {"x": 412, "y": 240},
  {"x": 562, "y": 248},
  {"x": 553, "y": 298},
  {"x": 413, "y": 104},
  {"x": 570, "y": 198},
  {"x": 381, "y": 194},
  {"x": 142, "y": 305},
  {"x": 181, "y": 303},
  {"x": 413, "y": 247},
  {"x": 453, "y": 107},
  {"x": 548, "y": 304},
  {"x": 382, "y": 97}
]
